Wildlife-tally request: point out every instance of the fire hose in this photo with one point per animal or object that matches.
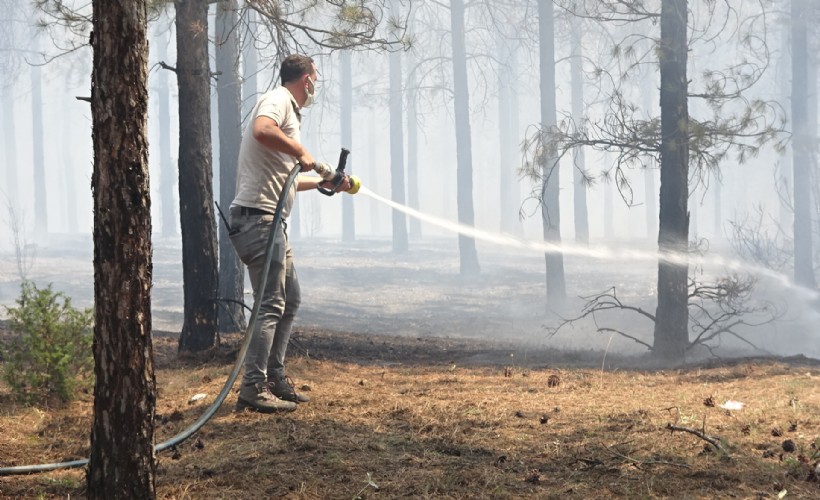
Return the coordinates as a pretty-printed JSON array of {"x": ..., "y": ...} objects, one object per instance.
[{"x": 335, "y": 178}]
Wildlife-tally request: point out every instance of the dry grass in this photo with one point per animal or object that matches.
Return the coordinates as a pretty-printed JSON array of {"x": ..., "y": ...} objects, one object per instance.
[{"x": 438, "y": 429}]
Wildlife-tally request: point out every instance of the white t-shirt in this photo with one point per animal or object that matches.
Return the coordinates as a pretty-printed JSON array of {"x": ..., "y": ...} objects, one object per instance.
[{"x": 261, "y": 173}]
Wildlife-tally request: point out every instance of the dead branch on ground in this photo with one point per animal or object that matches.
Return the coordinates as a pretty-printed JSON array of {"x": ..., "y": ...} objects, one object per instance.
[{"x": 713, "y": 440}]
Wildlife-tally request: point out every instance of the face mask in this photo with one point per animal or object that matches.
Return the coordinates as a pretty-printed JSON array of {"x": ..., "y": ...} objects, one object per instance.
[{"x": 311, "y": 96}]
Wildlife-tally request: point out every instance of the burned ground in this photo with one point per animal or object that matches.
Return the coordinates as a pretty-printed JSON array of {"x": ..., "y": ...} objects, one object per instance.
[{"x": 434, "y": 386}]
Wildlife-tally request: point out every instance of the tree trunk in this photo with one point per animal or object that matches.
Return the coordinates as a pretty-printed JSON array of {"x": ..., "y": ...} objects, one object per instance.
[
  {"x": 69, "y": 172},
  {"x": 250, "y": 65},
  {"x": 671, "y": 318},
  {"x": 550, "y": 209},
  {"x": 464, "y": 148},
  {"x": 196, "y": 204},
  {"x": 717, "y": 211},
  {"x": 348, "y": 219},
  {"x": 374, "y": 171},
  {"x": 508, "y": 152},
  {"x": 650, "y": 199},
  {"x": 400, "y": 243},
  {"x": 39, "y": 167},
  {"x": 579, "y": 191},
  {"x": 515, "y": 153},
  {"x": 413, "y": 147},
  {"x": 168, "y": 172},
  {"x": 229, "y": 92},
  {"x": 784, "y": 165},
  {"x": 802, "y": 147},
  {"x": 122, "y": 461},
  {"x": 11, "y": 189},
  {"x": 609, "y": 207},
  {"x": 694, "y": 207}
]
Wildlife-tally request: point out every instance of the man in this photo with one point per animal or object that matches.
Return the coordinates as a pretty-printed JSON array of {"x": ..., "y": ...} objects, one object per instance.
[{"x": 271, "y": 148}]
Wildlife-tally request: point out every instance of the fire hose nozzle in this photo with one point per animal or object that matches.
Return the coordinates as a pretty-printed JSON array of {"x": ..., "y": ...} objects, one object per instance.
[
  {"x": 336, "y": 177},
  {"x": 355, "y": 184}
]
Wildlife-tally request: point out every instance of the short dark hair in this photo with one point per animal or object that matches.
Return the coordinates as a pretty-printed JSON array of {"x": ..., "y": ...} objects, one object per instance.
[{"x": 294, "y": 67}]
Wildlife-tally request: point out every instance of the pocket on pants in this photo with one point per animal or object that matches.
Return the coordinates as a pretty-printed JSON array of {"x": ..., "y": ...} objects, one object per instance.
[{"x": 252, "y": 240}]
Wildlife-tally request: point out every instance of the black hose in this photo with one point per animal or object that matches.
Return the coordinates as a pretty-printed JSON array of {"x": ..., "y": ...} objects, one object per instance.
[{"x": 209, "y": 413}]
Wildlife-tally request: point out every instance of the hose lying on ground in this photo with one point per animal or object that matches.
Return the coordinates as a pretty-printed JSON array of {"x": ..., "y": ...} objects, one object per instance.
[{"x": 209, "y": 413}]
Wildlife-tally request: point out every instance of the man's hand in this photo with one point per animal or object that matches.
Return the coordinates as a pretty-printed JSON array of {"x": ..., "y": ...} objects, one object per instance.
[
  {"x": 343, "y": 186},
  {"x": 306, "y": 162}
]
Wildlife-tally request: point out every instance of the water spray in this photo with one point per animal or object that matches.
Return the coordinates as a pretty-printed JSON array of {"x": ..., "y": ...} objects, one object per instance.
[{"x": 599, "y": 252}]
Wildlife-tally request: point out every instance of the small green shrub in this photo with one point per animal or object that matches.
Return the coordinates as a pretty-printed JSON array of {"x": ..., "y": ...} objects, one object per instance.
[{"x": 50, "y": 354}]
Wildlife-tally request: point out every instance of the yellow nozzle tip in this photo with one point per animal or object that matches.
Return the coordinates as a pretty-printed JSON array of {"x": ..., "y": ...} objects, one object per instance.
[{"x": 355, "y": 184}]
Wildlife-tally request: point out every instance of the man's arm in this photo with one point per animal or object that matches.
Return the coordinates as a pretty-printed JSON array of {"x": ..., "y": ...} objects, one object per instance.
[
  {"x": 267, "y": 132},
  {"x": 308, "y": 182}
]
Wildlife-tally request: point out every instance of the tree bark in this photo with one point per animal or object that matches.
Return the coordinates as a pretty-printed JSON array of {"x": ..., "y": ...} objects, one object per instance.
[
  {"x": 579, "y": 191},
  {"x": 229, "y": 92},
  {"x": 550, "y": 208},
  {"x": 464, "y": 147},
  {"x": 672, "y": 320},
  {"x": 196, "y": 210},
  {"x": 122, "y": 461},
  {"x": 348, "y": 218}
]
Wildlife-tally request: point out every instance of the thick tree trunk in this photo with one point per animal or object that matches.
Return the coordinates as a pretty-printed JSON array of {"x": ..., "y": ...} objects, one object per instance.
[
  {"x": 167, "y": 169},
  {"x": 579, "y": 191},
  {"x": 196, "y": 204},
  {"x": 229, "y": 92},
  {"x": 802, "y": 147},
  {"x": 672, "y": 320},
  {"x": 464, "y": 146},
  {"x": 400, "y": 243},
  {"x": 39, "y": 167},
  {"x": 122, "y": 461},
  {"x": 550, "y": 209},
  {"x": 348, "y": 219}
]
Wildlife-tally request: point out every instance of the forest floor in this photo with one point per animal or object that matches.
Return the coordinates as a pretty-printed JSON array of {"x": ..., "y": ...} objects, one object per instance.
[
  {"x": 427, "y": 385},
  {"x": 419, "y": 418}
]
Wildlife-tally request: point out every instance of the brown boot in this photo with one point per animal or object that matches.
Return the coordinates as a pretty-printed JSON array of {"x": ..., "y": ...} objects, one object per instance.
[
  {"x": 257, "y": 397},
  {"x": 282, "y": 388}
]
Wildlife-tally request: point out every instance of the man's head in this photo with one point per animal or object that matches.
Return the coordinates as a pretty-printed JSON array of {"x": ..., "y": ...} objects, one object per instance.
[{"x": 298, "y": 74}]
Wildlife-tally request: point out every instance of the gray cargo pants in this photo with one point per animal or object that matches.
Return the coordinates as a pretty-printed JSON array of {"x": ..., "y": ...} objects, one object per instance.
[{"x": 266, "y": 353}]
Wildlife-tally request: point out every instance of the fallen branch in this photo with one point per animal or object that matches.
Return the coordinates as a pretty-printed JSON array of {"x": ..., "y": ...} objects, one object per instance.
[
  {"x": 713, "y": 440},
  {"x": 644, "y": 462}
]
